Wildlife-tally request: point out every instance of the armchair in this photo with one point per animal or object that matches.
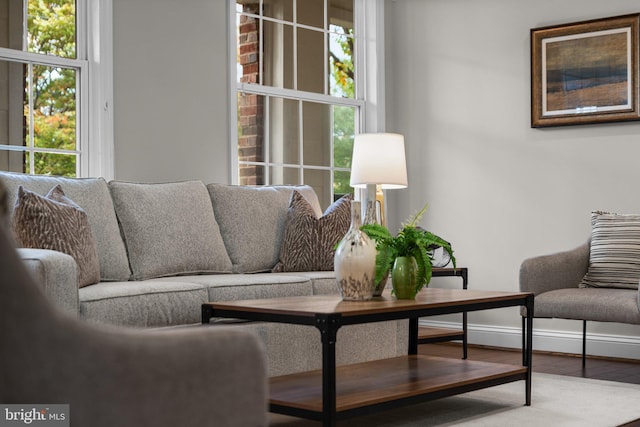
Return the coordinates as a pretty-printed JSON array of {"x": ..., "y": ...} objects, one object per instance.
[{"x": 114, "y": 376}]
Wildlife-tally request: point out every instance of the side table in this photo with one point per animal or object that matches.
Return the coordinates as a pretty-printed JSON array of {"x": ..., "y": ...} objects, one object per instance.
[{"x": 428, "y": 334}]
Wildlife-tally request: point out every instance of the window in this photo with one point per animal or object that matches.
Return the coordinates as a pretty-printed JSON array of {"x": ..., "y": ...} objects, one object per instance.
[
  {"x": 297, "y": 85},
  {"x": 44, "y": 87}
]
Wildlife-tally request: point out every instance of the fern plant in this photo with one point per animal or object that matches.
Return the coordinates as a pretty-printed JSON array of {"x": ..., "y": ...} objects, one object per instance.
[{"x": 411, "y": 241}]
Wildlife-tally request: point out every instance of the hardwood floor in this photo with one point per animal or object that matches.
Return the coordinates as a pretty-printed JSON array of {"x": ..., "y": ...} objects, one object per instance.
[{"x": 621, "y": 370}]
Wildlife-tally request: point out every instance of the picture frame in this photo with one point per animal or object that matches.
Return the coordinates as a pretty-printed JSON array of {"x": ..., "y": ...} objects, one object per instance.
[{"x": 585, "y": 72}]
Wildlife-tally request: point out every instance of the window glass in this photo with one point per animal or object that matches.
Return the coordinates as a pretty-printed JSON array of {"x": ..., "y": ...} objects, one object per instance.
[
  {"x": 284, "y": 134},
  {"x": 341, "y": 81},
  {"x": 311, "y": 60},
  {"x": 280, "y": 175},
  {"x": 311, "y": 12},
  {"x": 297, "y": 108},
  {"x": 278, "y": 65},
  {"x": 320, "y": 180},
  {"x": 251, "y": 127},
  {"x": 343, "y": 134},
  {"x": 38, "y": 100},
  {"x": 51, "y": 27},
  {"x": 278, "y": 9},
  {"x": 316, "y": 134}
]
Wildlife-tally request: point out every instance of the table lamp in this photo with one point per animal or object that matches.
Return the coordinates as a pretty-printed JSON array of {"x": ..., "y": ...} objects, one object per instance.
[{"x": 378, "y": 159}]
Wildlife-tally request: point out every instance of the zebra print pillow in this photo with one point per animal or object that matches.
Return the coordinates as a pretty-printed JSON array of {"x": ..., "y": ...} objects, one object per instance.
[
  {"x": 308, "y": 241},
  {"x": 55, "y": 222},
  {"x": 614, "y": 259}
]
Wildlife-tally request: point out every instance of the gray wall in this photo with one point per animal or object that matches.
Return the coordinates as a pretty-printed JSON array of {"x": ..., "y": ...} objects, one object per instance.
[
  {"x": 458, "y": 88},
  {"x": 170, "y": 90}
]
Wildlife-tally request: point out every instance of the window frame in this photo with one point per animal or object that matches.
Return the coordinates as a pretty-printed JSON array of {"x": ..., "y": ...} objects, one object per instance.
[
  {"x": 94, "y": 90},
  {"x": 369, "y": 84}
]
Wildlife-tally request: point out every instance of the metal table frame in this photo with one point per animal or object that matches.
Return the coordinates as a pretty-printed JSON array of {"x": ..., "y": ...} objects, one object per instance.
[{"x": 329, "y": 323}]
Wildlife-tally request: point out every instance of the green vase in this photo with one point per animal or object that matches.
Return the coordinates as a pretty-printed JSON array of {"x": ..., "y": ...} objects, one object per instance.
[{"x": 405, "y": 276}]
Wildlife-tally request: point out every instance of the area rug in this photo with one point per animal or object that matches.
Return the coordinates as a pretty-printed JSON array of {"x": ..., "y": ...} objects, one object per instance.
[{"x": 557, "y": 401}]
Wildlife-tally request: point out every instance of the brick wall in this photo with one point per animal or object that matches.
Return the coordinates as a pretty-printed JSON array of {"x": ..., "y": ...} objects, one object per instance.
[{"x": 250, "y": 107}]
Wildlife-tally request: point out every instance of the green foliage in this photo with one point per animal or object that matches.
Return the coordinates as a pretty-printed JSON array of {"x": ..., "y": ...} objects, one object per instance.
[
  {"x": 52, "y": 31},
  {"x": 411, "y": 241},
  {"x": 342, "y": 73}
]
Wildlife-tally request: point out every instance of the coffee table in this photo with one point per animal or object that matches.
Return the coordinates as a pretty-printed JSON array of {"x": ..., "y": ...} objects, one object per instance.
[{"x": 337, "y": 392}]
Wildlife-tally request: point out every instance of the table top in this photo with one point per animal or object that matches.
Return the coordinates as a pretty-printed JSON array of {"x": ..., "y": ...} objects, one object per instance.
[{"x": 427, "y": 299}]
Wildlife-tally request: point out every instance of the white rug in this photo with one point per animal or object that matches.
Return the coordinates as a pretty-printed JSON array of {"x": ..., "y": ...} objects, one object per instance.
[{"x": 557, "y": 401}]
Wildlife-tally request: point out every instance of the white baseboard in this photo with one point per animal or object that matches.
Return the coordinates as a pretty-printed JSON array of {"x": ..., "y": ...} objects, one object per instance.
[{"x": 547, "y": 340}]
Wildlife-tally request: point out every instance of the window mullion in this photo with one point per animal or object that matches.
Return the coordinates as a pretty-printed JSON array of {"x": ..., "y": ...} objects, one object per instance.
[{"x": 30, "y": 144}]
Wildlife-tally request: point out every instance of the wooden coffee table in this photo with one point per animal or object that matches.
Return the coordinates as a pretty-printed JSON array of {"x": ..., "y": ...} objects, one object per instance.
[{"x": 337, "y": 392}]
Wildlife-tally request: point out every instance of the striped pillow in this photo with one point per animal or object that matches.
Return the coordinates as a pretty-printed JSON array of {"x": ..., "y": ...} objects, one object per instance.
[{"x": 614, "y": 260}]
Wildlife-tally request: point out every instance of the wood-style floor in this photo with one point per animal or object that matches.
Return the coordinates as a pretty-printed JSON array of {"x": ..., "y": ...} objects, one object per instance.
[{"x": 621, "y": 370}]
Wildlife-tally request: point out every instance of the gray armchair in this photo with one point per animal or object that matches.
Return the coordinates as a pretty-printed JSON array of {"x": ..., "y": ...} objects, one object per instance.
[
  {"x": 200, "y": 376},
  {"x": 554, "y": 279}
]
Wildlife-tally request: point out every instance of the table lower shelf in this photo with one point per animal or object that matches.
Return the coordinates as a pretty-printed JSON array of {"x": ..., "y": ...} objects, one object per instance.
[
  {"x": 380, "y": 382},
  {"x": 429, "y": 334}
]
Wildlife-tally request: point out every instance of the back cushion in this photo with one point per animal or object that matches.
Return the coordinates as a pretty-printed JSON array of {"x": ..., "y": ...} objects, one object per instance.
[
  {"x": 92, "y": 195},
  {"x": 169, "y": 229},
  {"x": 252, "y": 221}
]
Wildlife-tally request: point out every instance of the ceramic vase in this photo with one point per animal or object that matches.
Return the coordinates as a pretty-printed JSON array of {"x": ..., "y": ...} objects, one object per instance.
[
  {"x": 355, "y": 261},
  {"x": 404, "y": 277}
]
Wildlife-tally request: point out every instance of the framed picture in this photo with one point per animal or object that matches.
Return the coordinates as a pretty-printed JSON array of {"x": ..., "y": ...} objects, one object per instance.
[{"x": 585, "y": 72}]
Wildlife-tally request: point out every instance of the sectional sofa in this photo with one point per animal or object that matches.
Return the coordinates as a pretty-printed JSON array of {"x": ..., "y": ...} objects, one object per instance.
[{"x": 165, "y": 248}]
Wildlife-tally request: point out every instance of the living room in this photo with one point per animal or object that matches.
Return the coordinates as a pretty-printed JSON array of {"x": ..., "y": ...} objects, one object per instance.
[{"x": 457, "y": 85}]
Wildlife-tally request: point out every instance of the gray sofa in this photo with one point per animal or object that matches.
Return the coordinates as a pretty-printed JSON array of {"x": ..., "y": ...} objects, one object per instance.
[
  {"x": 111, "y": 376},
  {"x": 164, "y": 249},
  {"x": 555, "y": 280}
]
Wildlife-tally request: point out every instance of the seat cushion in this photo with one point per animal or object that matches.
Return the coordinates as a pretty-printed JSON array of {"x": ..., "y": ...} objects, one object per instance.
[
  {"x": 322, "y": 282},
  {"x": 55, "y": 222},
  {"x": 230, "y": 287},
  {"x": 594, "y": 304},
  {"x": 252, "y": 222},
  {"x": 146, "y": 303},
  {"x": 92, "y": 195},
  {"x": 169, "y": 229}
]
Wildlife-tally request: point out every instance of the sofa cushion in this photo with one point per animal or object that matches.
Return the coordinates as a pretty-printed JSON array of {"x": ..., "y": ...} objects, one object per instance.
[
  {"x": 169, "y": 229},
  {"x": 614, "y": 257},
  {"x": 230, "y": 287},
  {"x": 92, "y": 195},
  {"x": 308, "y": 242},
  {"x": 146, "y": 303},
  {"x": 55, "y": 222},
  {"x": 258, "y": 214},
  {"x": 322, "y": 282}
]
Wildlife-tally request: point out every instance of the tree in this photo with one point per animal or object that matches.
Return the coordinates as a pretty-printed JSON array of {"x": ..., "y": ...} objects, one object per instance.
[
  {"x": 51, "y": 28},
  {"x": 342, "y": 74}
]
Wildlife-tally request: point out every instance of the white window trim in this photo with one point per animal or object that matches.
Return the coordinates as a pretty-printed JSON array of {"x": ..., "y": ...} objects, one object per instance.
[
  {"x": 369, "y": 85},
  {"x": 100, "y": 152},
  {"x": 95, "y": 124}
]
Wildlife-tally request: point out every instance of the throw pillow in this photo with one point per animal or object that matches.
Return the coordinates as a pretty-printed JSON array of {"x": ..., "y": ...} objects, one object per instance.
[
  {"x": 169, "y": 229},
  {"x": 56, "y": 222},
  {"x": 92, "y": 195},
  {"x": 614, "y": 259},
  {"x": 308, "y": 242},
  {"x": 258, "y": 214}
]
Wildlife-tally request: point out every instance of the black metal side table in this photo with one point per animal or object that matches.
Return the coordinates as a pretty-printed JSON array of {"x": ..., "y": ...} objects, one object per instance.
[{"x": 427, "y": 334}]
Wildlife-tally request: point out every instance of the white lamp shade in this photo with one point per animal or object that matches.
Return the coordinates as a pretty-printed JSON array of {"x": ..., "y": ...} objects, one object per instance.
[{"x": 378, "y": 158}]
